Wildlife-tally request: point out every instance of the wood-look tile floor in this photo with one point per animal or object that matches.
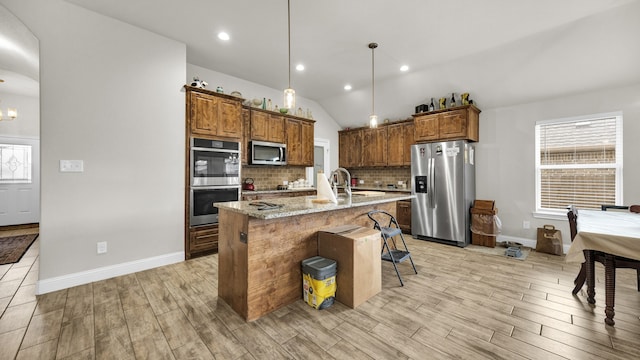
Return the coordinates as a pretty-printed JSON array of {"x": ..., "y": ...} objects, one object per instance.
[{"x": 462, "y": 305}]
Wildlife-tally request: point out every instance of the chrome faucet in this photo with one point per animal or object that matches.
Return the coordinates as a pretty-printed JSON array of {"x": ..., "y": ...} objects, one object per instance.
[{"x": 347, "y": 184}]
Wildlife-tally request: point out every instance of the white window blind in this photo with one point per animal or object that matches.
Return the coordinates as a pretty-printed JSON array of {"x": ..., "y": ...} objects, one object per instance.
[{"x": 579, "y": 162}]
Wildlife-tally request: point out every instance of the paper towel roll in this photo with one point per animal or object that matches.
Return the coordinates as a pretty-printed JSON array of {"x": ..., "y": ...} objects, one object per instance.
[{"x": 324, "y": 189}]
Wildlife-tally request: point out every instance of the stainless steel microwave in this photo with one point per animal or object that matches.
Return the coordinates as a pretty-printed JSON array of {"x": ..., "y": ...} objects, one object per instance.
[{"x": 267, "y": 153}]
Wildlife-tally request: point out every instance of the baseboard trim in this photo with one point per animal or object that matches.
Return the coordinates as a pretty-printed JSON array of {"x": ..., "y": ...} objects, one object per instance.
[
  {"x": 86, "y": 277},
  {"x": 527, "y": 242}
]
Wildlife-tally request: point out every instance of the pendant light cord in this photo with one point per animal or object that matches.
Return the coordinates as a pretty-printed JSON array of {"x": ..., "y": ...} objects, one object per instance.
[
  {"x": 372, "y": 46},
  {"x": 289, "y": 37}
]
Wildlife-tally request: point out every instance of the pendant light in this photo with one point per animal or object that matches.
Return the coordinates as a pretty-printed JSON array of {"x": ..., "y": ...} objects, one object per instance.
[
  {"x": 289, "y": 93},
  {"x": 373, "y": 119}
]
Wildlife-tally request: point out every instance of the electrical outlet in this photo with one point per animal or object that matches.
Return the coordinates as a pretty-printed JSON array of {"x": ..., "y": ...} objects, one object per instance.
[
  {"x": 102, "y": 247},
  {"x": 526, "y": 224},
  {"x": 71, "y": 166}
]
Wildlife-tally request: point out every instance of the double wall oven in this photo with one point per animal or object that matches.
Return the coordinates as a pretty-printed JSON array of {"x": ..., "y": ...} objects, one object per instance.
[{"x": 215, "y": 177}]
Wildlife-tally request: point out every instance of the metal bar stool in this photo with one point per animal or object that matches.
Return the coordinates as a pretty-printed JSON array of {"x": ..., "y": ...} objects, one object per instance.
[{"x": 394, "y": 255}]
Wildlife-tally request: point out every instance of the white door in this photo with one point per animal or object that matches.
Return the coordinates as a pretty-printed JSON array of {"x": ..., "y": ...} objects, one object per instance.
[{"x": 19, "y": 181}]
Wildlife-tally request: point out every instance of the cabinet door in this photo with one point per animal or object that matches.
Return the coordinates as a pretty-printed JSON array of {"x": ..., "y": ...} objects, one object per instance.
[
  {"x": 203, "y": 240},
  {"x": 250, "y": 197},
  {"x": 276, "y": 129},
  {"x": 229, "y": 121},
  {"x": 374, "y": 145},
  {"x": 426, "y": 127},
  {"x": 343, "y": 152},
  {"x": 293, "y": 130},
  {"x": 453, "y": 125},
  {"x": 203, "y": 114},
  {"x": 409, "y": 133},
  {"x": 354, "y": 149},
  {"x": 403, "y": 215},
  {"x": 307, "y": 143},
  {"x": 259, "y": 126},
  {"x": 246, "y": 133},
  {"x": 395, "y": 143},
  {"x": 350, "y": 148}
]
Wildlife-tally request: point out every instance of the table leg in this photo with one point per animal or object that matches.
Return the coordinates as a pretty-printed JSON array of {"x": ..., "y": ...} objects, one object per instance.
[
  {"x": 591, "y": 278},
  {"x": 609, "y": 288},
  {"x": 580, "y": 279}
]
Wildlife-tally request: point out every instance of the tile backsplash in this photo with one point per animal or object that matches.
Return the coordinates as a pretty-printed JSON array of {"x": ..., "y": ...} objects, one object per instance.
[
  {"x": 383, "y": 175},
  {"x": 269, "y": 177}
]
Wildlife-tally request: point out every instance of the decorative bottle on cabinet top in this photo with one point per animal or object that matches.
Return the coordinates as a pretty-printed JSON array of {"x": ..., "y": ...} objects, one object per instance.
[
  {"x": 452, "y": 103},
  {"x": 431, "y": 106}
]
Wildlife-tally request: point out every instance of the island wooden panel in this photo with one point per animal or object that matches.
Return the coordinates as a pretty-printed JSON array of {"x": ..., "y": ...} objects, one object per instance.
[
  {"x": 233, "y": 274},
  {"x": 264, "y": 274}
]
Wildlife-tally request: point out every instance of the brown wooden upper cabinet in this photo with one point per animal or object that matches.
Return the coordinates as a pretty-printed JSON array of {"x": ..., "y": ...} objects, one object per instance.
[
  {"x": 387, "y": 145},
  {"x": 299, "y": 140},
  {"x": 213, "y": 114},
  {"x": 350, "y": 148},
  {"x": 459, "y": 123},
  {"x": 267, "y": 126},
  {"x": 246, "y": 133},
  {"x": 374, "y": 146},
  {"x": 400, "y": 138}
]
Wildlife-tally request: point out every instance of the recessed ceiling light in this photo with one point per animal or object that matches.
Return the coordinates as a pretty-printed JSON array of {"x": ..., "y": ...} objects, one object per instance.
[
  {"x": 223, "y": 36},
  {"x": 299, "y": 67},
  {"x": 404, "y": 68},
  {"x": 347, "y": 87}
]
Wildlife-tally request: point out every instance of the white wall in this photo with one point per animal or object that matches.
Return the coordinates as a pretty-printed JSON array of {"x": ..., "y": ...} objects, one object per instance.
[
  {"x": 506, "y": 158},
  {"x": 27, "y": 124},
  {"x": 110, "y": 96},
  {"x": 325, "y": 126}
]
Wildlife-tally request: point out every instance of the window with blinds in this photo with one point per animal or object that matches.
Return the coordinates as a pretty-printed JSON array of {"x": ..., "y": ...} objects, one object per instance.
[{"x": 578, "y": 162}]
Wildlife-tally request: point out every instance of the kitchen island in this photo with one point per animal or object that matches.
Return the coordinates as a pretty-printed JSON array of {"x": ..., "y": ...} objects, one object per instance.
[{"x": 261, "y": 246}]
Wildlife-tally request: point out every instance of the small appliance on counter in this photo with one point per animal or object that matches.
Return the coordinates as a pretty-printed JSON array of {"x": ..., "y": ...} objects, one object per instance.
[{"x": 248, "y": 185}]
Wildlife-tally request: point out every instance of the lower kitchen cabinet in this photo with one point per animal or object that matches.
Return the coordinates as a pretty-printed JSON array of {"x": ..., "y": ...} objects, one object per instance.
[
  {"x": 403, "y": 215},
  {"x": 203, "y": 240}
]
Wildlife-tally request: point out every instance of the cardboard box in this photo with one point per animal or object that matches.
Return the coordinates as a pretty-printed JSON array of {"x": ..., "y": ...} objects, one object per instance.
[{"x": 357, "y": 251}]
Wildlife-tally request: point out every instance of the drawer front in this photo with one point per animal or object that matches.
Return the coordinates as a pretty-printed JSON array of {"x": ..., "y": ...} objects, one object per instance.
[{"x": 203, "y": 240}]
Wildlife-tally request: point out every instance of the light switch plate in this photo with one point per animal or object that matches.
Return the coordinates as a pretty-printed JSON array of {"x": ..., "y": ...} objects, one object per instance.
[{"x": 71, "y": 166}]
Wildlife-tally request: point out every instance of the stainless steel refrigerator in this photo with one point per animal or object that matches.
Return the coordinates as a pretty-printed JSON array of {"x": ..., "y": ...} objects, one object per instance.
[{"x": 444, "y": 185}]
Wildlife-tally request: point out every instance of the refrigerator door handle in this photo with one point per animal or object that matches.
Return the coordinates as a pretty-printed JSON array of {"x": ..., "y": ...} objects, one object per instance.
[{"x": 432, "y": 182}]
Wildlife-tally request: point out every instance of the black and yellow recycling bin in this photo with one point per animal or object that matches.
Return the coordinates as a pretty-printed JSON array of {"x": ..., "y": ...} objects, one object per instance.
[{"x": 319, "y": 282}]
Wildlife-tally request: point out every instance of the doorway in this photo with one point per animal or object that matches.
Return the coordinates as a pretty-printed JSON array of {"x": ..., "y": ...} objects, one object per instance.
[
  {"x": 19, "y": 181},
  {"x": 321, "y": 151},
  {"x": 20, "y": 140}
]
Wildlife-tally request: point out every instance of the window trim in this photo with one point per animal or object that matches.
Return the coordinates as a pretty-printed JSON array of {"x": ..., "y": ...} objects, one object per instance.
[{"x": 618, "y": 166}]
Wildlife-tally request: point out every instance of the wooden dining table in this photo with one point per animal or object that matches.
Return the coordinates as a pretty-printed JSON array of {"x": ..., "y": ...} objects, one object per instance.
[{"x": 608, "y": 234}]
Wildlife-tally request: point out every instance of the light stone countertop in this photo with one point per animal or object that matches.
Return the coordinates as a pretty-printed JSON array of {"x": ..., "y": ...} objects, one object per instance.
[{"x": 301, "y": 205}]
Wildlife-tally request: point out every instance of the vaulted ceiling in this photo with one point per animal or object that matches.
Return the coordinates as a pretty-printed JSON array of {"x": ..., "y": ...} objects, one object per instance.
[{"x": 502, "y": 52}]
